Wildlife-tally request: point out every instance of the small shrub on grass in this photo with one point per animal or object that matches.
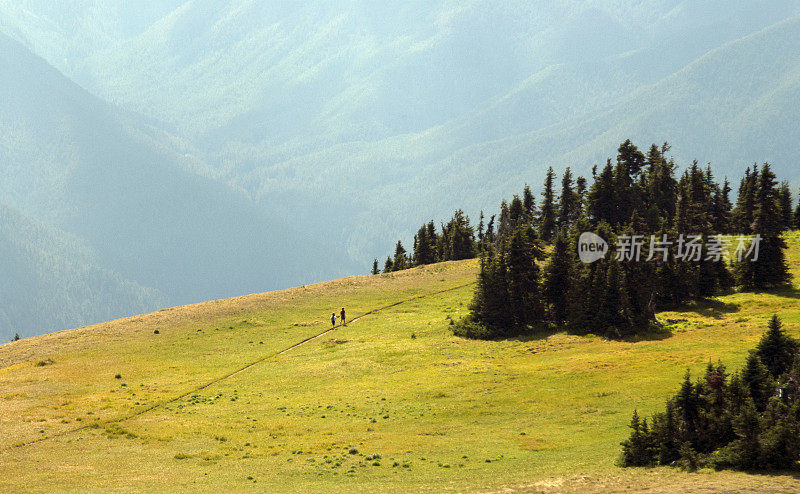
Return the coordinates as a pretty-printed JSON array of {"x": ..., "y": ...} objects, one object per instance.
[
  {"x": 118, "y": 376},
  {"x": 469, "y": 328},
  {"x": 16, "y": 336},
  {"x": 156, "y": 332}
]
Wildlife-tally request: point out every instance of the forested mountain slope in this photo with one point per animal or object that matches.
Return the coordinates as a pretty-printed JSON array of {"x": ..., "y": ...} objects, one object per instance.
[
  {"x": 111, "y": 179},
  {"x": 52, "y": 281}
]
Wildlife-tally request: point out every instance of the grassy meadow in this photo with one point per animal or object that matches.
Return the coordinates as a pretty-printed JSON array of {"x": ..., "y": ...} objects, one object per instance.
[{"x": 213, "y": 396}]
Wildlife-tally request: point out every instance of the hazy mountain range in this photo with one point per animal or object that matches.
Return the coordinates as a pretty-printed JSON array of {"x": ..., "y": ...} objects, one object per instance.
[{"x": 203, "y": 149}]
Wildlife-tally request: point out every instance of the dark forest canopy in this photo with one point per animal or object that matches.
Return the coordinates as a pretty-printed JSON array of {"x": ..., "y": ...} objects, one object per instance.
[{"x": 531, "y": 278}]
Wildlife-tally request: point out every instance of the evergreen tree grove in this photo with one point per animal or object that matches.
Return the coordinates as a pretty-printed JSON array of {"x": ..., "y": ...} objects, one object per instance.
[
  {"x": 745, "y": 421},
  {"x": 770, "y": 269},
  {"x": 531, "y": 277}
]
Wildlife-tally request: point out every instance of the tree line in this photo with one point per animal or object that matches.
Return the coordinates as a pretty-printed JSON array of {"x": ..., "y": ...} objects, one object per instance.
[
  {"x": 531, "y": 278},
  {"x": 747, "y": 420},
  {"x": 455, "y": 242}
]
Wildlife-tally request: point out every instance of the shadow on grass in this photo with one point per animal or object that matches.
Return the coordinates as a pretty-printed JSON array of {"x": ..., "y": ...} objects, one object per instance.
[
  {"x": 653, "y": 335},
  {"x": 786, "y": 291},
  {"x": 528, "y": 337},
  {"x": 657, "y": 333},
  {"x": 709, "y": 307},
  {"x": 794, "y": 473}
]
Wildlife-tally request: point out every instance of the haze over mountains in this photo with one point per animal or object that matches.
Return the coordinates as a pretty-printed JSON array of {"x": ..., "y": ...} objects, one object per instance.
[
  {"x": 287, "y": 142},
  {"x": 111, "y": 181}
]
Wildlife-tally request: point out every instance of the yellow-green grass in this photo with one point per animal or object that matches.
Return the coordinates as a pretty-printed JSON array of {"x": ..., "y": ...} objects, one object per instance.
[{"x": 444, "y": 413}]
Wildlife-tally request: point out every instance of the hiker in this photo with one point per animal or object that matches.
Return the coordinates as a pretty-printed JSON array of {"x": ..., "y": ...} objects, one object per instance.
[
  {"x": 342, "y": 316},
  {"x": 333, "y": 319}
]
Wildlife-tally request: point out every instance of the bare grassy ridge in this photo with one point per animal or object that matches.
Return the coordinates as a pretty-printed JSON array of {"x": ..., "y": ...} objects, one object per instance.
[{"x": 440, "y": 413}]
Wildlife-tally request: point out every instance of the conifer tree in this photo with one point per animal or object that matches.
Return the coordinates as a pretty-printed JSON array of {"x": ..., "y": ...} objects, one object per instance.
[
  {"x": 745, "y": 451},
  {"x": 785, "y": 203},
  {"x": 660, "y": 186},
  {"x": 670, "y": 279},
  {"x": 617, "y": 298},
  {"x": 516, "y": 212},
  {"x": 433, "y": 239},
  {"x": 714, "y": 425},
  {"x": 758, "y": 380},
  {"x": 375, "y": 268},
  {"x": 481, "y": 227},
  {"x": 721, "y": 208},
  {"x": 611, "y": 317},
  {"x": 504, "y": 221},
  {"x": 780, "y": 437},
  {"x": 627, "y": 193},
  {"x": 388, "y": 265},
  {"x": 424, "y": 248},
  {"x": 665, "y": 432},
  {"x": 400, "y": 260},
  {"x": 567, "y": 203},
  {"x": 590, "y": 307},
  {"x": 687, "y": 406},
  {"x": 742, "y": 217},
  {"x": 443, "y": 244},
  {"x": 490, "y": 304},
  {"x": 637, "y": 283},
  {"x": 637, "y": 449},
  {"x": 581, "y": 192},
  {"x": 490, "y": 236},
  {"x": 529, "y": 203},
  {"x": 460, "y": 238},
  {"x": 524, "y": 291},
  {"x": 547, "y": 214},
  {"x": 557, "y": 278},
  {"x": 601, "y": 197},
  {"x": 769, "y": 270},
  {"x": 776, "y": 350}
]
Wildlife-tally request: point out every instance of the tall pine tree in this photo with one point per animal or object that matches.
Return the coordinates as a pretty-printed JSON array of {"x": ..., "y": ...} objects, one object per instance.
[
  {"x": 547, "y": 214},
  {"x": 568, "y": 205}
]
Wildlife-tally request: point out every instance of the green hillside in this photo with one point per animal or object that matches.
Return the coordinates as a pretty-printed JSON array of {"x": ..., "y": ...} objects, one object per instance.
[{"x": 238, "y": 394}]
